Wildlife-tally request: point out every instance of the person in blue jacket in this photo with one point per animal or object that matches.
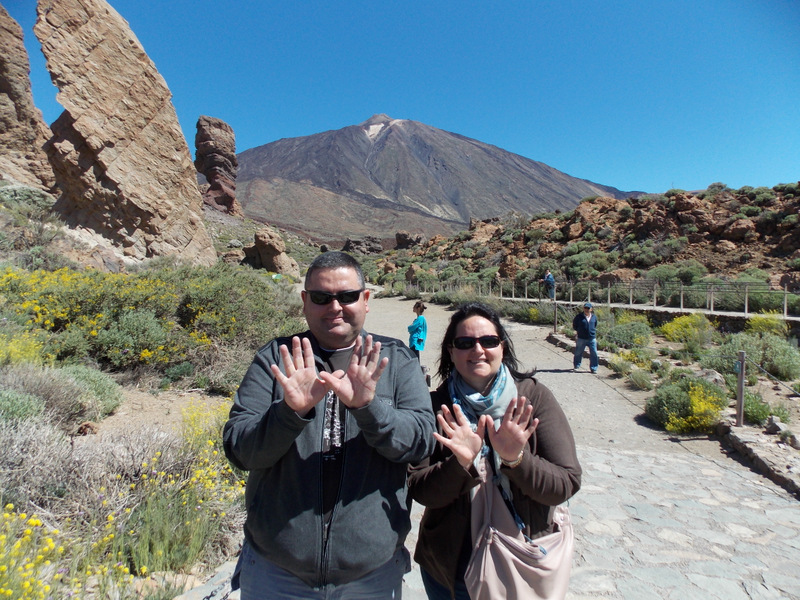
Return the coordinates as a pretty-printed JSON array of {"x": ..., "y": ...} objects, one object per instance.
[
  {"x": 549, "y": 284},
  {"x": 585, "y": 326},
  {"x": 418, "y": 330}
]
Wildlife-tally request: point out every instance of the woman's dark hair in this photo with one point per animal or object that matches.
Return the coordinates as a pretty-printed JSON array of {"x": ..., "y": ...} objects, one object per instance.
[{"x": 473, "y": 309}]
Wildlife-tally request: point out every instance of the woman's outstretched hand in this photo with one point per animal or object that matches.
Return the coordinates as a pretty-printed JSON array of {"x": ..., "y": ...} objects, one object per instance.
[
  {"x": 515, "y": 429},
  {"x": 464, "y": 443}
]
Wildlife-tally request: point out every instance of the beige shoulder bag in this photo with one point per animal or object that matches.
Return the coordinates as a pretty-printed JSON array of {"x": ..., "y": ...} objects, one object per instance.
[{"x": 504, "y": 565}]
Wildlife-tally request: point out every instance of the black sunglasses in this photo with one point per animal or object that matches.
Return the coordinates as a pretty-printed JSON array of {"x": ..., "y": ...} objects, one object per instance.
[
  {"x": 347, "y": 297},
  {"x": 486, "y": 341}
]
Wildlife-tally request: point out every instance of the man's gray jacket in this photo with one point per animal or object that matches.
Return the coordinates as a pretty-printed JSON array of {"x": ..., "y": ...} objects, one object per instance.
[{"x": 283, "y": 453}]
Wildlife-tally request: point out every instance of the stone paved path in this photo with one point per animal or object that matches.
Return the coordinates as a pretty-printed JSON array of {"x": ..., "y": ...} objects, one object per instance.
[{"x": 657, "y": 516}]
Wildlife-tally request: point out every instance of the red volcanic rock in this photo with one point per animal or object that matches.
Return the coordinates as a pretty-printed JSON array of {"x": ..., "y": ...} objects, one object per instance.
[
  {"x": 118, "y": 152},
  {"x": 215, "y": 158},
  {"x": 23, "y": 132}
]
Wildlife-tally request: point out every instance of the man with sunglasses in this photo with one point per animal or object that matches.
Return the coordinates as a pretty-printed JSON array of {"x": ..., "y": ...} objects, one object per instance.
[{"x": 326, "y": 422}]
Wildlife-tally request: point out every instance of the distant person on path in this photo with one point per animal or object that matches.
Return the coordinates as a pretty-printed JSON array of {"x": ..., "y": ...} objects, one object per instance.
[
  {"x": 486, "y": 405},
  {"x": 418, "y": 330},
  {"x": 326, "y": 422},
  {"x": 585, "y": 326},
  {"x": 549, "y": 284}
]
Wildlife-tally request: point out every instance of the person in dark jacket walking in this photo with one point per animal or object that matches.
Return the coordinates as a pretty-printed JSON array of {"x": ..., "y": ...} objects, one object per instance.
[
  {"x": 585, "y": 326},
  {"x": 486, "y": 404},
  {"x": 326, "y": 422}
]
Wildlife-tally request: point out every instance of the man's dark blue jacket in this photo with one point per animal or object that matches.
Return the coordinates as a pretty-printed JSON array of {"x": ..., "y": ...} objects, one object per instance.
[{"x": 586, "y": 330}]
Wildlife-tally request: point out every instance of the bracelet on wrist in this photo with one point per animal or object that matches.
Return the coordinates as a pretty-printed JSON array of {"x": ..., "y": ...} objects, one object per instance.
[{"x": 515, "y": 462}]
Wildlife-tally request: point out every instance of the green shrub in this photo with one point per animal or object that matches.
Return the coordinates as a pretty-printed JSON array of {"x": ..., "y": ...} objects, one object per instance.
[
  {"x": 66, "y": 402},
  {"x": 19, "y": 405},
  {"x": 630, "y": 335},
  {"x": 780, "y": 358},
  {"x": 100, "y": 389},
  {"x": 756, "y": 411},
  {"x": 640, "y": 379},
  {"x": 724, "y": 358},
  {"x": 620, "y": 366},
  {"x": 541, "y": 313},
  {"x": 137, "y": 337},
  {"x": 669, "y": 399}
]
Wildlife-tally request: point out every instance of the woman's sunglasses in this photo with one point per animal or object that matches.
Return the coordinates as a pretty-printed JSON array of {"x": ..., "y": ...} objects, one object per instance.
[
  {"x": 486, "y": 341},
  {"x": 347, "y": 297}
]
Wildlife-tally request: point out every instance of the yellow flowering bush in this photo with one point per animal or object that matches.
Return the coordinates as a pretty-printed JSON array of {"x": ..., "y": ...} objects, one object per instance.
[
  {"x": 23, "y": 346},
  {"x": 687, "y": 328},
  {"x": 167, "y": 512},
  {"x": 158, "y": 318},
  {"x": 704, "y": 410},
  {"x": 29, "y": 553},
  {"x": 767, "y": 322}
]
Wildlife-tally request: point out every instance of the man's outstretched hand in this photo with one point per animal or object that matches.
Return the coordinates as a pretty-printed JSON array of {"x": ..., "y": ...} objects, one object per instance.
[
  {"x": 356, "y": 386},
  {"x": 302, "y": 387}
]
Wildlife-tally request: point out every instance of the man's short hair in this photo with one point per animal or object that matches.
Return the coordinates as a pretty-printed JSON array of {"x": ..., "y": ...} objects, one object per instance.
[{"x": 335, "y": 260}]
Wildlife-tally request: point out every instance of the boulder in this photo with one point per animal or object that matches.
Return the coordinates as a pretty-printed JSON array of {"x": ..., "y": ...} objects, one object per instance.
[
  {"x": 269, "y": 252},
  {"x": 23, "y": 132},
  {"x": 724, "y": 247},
  {"x": 369, "y": 245},
  {"x": 616, "y": 276},
  {"x": 403, "y": 240},
  {"x": 740, "y": 230},
  {"x": 215, "y": 158},
  {"x": 117, "y": 151}
]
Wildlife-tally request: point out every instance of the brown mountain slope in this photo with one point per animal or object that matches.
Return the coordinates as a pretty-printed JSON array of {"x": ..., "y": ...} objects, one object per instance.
[{"x": 388, "y": 174}]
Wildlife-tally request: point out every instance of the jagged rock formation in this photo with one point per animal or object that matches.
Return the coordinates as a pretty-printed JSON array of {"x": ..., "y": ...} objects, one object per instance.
[
  {"x": 269, "y": 252},
  {"x": 386, "y": 174},
  {"x": 370, "y": 244},
  {"x": 23, "y": 132},
  {"x": 403, "y": 239},
  {"x": 118, "y": 152},
  {"x": 215, "y": 158}
]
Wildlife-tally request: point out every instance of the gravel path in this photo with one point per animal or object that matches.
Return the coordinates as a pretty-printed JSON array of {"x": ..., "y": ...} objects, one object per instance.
[{"x": 657, "y": 516}]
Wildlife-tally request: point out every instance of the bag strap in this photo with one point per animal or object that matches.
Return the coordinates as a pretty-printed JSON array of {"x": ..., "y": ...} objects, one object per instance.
[{"x": 496, "y": 481}]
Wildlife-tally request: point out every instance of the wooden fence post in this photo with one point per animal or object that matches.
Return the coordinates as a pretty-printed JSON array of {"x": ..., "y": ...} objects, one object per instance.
[
  {"x": 746, "y": 298},
  {"x": 785, "y": 300},
  {"x": 740, "y": 390}
]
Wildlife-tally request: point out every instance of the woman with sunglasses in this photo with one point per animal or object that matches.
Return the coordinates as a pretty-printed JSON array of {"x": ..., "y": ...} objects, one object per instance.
[{"x": 486, "y": 405}]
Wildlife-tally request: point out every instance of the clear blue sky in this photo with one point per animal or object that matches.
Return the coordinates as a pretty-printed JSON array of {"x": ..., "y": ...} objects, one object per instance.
[{"x": 635, "y": 94}]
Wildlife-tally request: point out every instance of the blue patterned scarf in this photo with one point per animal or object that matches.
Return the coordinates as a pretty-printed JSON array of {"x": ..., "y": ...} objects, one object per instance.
[{"x": 474, "y": 404}]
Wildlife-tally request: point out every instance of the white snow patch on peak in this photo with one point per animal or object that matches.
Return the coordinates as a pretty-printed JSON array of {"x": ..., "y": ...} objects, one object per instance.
[{"x": 372, "y": 131}]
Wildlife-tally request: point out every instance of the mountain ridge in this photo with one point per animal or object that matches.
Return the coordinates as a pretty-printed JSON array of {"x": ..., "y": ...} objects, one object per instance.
[{"x": 386, "y": 174}]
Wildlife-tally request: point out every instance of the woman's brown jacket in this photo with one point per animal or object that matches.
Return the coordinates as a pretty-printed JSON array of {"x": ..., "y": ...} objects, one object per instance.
[{"x": 548, "y": 475}]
